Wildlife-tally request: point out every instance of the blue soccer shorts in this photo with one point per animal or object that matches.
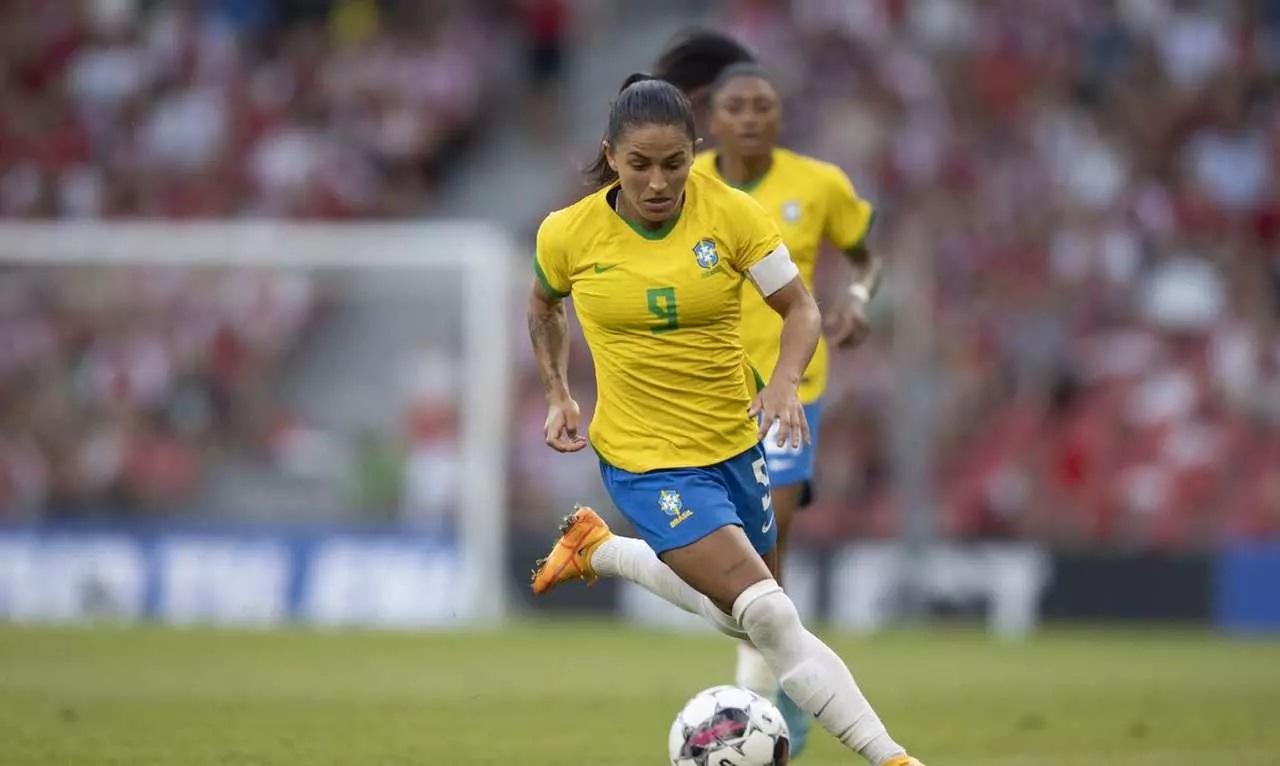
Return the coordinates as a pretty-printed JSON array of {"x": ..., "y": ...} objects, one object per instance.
[{"x": 674, "y": 507}]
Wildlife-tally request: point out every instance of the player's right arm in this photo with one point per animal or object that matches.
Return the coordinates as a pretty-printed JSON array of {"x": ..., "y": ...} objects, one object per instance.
[{"x": 549, "y": 334}]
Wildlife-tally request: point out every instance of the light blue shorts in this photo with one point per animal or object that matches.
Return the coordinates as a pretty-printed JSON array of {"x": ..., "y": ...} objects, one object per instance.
[{"x": 794, "y": 465}]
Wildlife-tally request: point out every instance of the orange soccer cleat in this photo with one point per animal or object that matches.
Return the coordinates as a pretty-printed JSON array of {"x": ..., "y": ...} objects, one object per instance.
[{"x": 580, "y": 534}]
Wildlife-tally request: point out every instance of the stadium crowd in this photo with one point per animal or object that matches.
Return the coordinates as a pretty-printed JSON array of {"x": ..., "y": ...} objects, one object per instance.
[
  {"x": 119, "y": 383},
  {"x": 119, "y": 108},
  {"x": 1097, "y": 188},
  {"x": 119, "y": 386},
  {"x": 1086, "y": 194}
]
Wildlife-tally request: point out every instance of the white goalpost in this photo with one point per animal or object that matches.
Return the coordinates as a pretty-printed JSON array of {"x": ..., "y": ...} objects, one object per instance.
[{"x": 477, "y": 258}]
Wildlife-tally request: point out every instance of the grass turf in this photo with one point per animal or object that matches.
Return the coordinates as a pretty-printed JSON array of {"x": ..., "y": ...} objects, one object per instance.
[{"x": 572, "y": 693}]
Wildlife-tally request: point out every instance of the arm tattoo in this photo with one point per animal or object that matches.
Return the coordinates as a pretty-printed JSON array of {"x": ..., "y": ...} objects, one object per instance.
[
  {"x": 540, "y": 326},
  {"x": 548, "y": 332}
]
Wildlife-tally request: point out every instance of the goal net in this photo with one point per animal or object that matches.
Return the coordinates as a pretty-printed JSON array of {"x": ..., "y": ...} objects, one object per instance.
[{"x": 251, "y": 422}]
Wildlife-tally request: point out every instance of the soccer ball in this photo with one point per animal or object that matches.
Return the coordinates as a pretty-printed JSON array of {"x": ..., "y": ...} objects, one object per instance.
[{"x": 729, "y": 726}]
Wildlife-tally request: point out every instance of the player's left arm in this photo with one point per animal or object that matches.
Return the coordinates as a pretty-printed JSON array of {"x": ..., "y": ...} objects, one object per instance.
[
  {"x": 848, "y": 225},
  {"x": 780, "y": 283},
  {"x": 761, "y": 254}
]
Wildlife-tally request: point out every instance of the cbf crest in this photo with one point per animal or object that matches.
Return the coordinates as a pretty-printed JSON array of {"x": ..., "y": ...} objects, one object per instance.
[
  {"x": 705, "y": 252},
  {"x": 670, "y": 503},
  {"x": 791, "y": 211}
]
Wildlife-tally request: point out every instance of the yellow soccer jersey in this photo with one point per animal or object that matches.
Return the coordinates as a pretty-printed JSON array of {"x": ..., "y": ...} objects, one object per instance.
[
  {"x": 661, "y": 313},
  {"x": 811, "y": 201}
]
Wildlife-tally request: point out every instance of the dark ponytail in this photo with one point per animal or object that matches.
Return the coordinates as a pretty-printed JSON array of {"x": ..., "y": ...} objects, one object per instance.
[
  {"x": 634, "y": 78},
  {"x": 643, "y": 100}
]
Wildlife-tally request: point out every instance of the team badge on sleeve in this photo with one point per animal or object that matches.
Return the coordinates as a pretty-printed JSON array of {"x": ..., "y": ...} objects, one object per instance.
[{"x": 705, "y": 252}]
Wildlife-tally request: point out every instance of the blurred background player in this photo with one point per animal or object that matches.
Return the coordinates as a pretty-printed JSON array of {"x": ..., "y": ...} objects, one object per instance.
[
  {"x": 676, "y": 454},
  {"x": 811, "y": 201},
  {"x": 693, "y": 59}
]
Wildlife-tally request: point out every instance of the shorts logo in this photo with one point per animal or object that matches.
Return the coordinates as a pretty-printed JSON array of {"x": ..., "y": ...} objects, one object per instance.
[
  {"x": 670, "y": 503},
  {"x": 705, "y": 252},
  {"x": 791, "y": 211}
]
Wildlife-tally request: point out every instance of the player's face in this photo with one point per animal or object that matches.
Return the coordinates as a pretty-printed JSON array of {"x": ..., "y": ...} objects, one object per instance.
[
  {"x": 746, "y": 116},
  {"x": 652, "y": 162}
]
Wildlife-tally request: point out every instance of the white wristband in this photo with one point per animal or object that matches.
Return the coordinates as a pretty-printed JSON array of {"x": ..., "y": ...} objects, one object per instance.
[{"x": 860, "y": 291}]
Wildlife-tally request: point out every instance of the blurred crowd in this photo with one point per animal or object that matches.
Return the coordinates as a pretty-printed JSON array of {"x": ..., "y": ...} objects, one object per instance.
[
  {"x": 120, "y": 386},
  {"x": 1083, "y": 202},
  {"x": 1079, "y": 202},
  {"x": 213, "y": 108}
]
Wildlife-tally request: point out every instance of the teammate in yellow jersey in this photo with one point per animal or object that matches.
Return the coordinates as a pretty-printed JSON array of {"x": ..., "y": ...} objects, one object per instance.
[
  {"x": 812, "y": 202},
  {"x": 655, "y": 261}
]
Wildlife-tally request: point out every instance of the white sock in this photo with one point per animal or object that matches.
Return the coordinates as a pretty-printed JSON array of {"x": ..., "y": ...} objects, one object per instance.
[
  {"x": 754, "y": 673},
  {"x": 815, "y": 677},
  {"x": 634, "y": 560}
]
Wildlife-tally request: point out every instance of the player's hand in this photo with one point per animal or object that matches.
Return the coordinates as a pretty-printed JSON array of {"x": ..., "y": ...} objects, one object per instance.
[
  {"x": 780, "y": 403},
  {"x": 561, "y": 428},
  {"x": 848, "y": 325}
]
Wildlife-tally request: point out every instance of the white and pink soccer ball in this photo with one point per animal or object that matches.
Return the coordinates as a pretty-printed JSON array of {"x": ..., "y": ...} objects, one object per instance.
[{"x": 729, "y": 726}]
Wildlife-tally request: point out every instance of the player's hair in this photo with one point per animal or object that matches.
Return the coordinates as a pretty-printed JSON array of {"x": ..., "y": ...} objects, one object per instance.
[
  {"x": 643, "y": 100},
  {"x": 744, "y": 69},
  {"x": 694, "y": 58}
]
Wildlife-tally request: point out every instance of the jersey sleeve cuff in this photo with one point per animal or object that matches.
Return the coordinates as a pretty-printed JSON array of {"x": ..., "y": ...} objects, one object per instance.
[
  {"x": 862, "y": 238},
  {"x": 546, "y": 285}
]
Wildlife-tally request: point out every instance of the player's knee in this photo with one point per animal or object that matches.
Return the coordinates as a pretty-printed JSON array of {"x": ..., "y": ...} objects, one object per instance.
[{"x": 767, "y": 614}]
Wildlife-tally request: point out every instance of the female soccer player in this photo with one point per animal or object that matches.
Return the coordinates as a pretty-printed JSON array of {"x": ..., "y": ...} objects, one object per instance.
[
  {"x": 810, "y": 201},
  {"x": 655, "y": 262}
]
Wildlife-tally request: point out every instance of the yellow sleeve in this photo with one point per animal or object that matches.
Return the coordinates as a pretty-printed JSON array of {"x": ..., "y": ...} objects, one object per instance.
[
  {"x": 849, "y": 216},
  {"x": 757, "y": 234},
  {"x": 551, "y": 261}
]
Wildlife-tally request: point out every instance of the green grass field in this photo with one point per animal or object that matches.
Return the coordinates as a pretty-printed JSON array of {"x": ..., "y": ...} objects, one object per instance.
[{"x": 597, "y": 693}]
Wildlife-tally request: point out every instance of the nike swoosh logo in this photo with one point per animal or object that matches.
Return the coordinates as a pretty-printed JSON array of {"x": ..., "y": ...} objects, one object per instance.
[
  {"x": 602, "y": 269},
  {"x": 765, "y": 529}
]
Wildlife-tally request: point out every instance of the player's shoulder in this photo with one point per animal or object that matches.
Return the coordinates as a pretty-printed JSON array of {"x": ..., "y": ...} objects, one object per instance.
[
  {"x": 718, "y": 199},
  {"x": 829, "y": 175},
  {"x": 705, "y": 162},
  {"x": 569, "y": 222}
]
